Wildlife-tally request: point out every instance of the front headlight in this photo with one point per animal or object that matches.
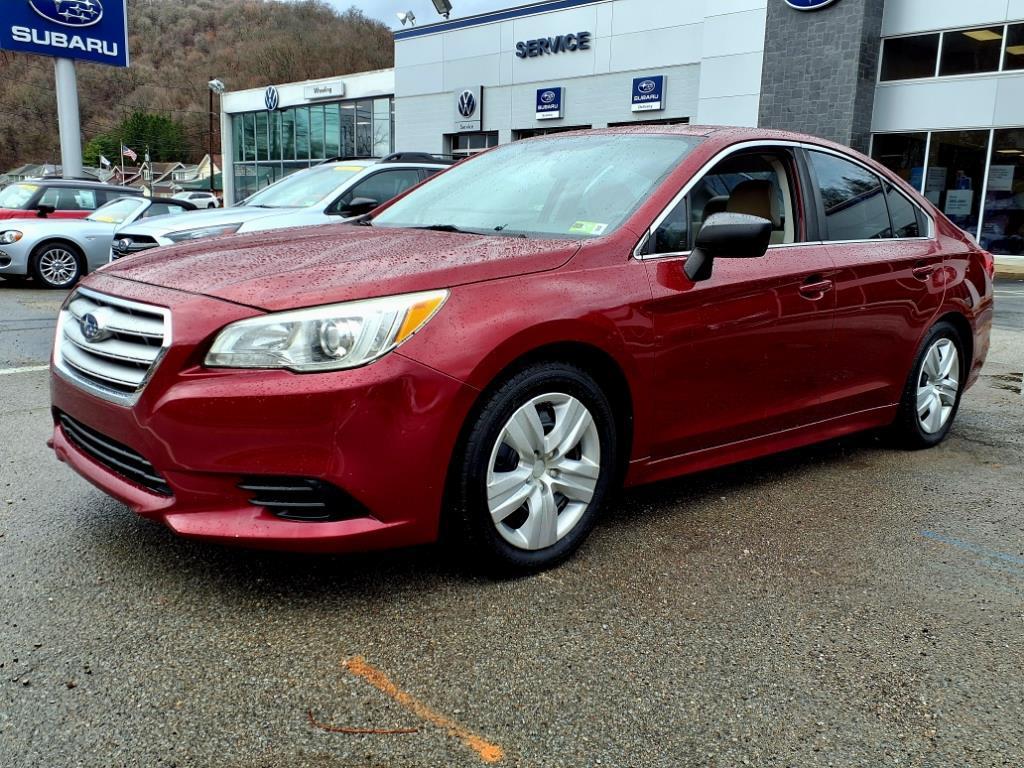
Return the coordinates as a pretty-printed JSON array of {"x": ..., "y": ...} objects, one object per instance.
[
  {"x": 325, "y": 338},
  {"x": 198, "y": 234},
  {"x": 10, "y": 236}
]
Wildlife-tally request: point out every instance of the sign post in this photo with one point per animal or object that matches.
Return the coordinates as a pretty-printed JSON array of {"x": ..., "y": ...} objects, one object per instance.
[
  {"x": 68, "y": 118},
  {"x": 68, "y": 30}
]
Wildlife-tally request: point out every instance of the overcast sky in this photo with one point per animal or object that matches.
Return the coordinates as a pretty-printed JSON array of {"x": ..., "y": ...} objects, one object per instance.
[{"x": 385, "y": 10}]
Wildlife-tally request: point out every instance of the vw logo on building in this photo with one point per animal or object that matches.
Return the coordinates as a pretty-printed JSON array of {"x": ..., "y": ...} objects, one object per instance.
[
  {"x": 69, "y": 13},
  {"x": 547, "y": 97},
  {"x": 92, "y": 328},
  {"x": 272, "y": 99},
  {"x": 467, "y": 103},
  {"x": 646, "y": 86},
  {"x": 809, "y": 5}
]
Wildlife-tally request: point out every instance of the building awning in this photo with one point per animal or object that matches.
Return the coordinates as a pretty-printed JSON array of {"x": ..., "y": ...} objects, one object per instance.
[{"x": 201, "y": 185}]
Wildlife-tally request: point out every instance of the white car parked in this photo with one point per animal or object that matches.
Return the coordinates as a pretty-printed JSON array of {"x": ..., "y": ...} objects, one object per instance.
[
  {"x": 331, "y": 192},
  {"x": 199, "y": 199}
]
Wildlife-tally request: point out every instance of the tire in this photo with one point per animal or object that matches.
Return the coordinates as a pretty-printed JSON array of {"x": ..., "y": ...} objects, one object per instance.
[
  {"x": 561, "y": 493},
  {"x": 211, "y": 205},
  {"x": 931, "y": 397},
  {"x": 57, "y": 265}
]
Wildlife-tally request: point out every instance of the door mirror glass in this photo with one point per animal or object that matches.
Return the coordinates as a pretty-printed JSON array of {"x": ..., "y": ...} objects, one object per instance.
[{"x": 727, "y": 236}]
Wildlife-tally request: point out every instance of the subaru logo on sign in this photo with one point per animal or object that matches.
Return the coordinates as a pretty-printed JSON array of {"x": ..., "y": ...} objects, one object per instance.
[
  {"x": 272, "y": 99},
  {"x": 548, "y": 96},
  {"x": 467, "y": 103},
  {"x": 91, "y": 328},
  {"x": 646, "y": 86},
  {"x": 809, "y": 5},
  {"x": 69, "y": 13}
]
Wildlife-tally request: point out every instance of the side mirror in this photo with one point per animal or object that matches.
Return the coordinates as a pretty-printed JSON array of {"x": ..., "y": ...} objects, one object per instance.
[
  {"x": 727, "y": 236},
  {"x": 357, "y": 206},
  {"x": 42, "y": 211}
]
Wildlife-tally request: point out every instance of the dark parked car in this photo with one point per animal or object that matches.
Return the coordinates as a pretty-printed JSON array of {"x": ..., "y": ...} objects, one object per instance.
[{"x": 497, "y": 350}]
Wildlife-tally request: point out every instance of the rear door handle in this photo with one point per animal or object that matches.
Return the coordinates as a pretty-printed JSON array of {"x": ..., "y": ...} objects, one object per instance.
[
  {"x": 924, "y": 271},
  {"x": 815, "y": 288}
]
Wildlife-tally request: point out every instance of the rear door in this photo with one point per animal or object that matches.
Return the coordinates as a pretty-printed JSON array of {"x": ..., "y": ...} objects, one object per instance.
[
  {"x": 740, "y": 354},
  {"x": 889, "y": 281}
]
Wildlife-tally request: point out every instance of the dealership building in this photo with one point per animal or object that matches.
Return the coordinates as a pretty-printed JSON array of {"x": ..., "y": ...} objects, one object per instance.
[{"x": 934, "y": 89}]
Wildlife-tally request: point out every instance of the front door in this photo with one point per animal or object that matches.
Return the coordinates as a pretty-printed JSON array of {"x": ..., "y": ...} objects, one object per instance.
[{"x": 740, "y": 355}]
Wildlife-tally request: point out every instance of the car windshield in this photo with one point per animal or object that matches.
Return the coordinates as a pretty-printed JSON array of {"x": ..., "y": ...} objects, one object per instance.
[
  {"x": 303, "y": 189},
  {"x": 569, "y": 186},
  {"x": 114, "y": 212},
  {"x": 17, "y": 195}
]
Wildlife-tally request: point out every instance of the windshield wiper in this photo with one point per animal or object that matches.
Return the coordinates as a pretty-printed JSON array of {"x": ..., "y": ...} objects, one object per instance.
[{"x": 446, "y": 228}]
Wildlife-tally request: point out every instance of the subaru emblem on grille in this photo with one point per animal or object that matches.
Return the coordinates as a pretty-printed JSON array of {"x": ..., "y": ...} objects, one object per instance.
[{"x": 92, "y": 330}]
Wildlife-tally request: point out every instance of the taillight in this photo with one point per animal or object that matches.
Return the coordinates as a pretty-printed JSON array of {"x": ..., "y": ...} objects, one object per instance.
[{"x": 988, "y": 261}]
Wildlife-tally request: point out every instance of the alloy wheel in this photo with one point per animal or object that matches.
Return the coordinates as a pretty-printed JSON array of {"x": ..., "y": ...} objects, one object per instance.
[
  {"x": 543, "y": 471},
  {"x": 938, "y": 385},
  {"x": 58, "y": 266}
]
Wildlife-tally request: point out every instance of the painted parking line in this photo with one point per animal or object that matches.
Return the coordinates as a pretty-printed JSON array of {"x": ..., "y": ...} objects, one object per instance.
[
  {"x": 487, "y": 751},
  {"x": 976, "y": 549},
  {"x": 26, "y": 369}
]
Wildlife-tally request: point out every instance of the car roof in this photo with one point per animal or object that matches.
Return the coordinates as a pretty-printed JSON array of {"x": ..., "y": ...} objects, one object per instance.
[
  {"x": 81, "y": 184},
  {"x": 723, "y": 134}
]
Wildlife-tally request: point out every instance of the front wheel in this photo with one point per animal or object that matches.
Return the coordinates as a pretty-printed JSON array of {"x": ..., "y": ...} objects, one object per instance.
[
  {"x": 536, "y": 467},
  {"x": 931, "y": 396},
  {"x": 57, "y": 265}
]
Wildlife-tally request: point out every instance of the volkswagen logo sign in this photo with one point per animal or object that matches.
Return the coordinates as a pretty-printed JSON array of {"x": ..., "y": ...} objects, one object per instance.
[
  {"x": 467, "y": 104},
  {"x": 91, "y": 328},
  {"x": 809, "y": 5},
  {"x": 69, "y": 13},
  {"x": 272, "y": 99},
  {"x": 547, "y": 97},
  {"x": 646, "y": 86}
]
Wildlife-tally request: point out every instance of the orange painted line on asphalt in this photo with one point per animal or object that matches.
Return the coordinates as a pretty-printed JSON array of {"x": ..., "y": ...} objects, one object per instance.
[{"x": 488, "y": 752}]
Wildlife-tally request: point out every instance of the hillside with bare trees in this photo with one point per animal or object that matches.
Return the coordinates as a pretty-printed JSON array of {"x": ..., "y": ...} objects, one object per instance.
[{"x": 176, "y": 47}]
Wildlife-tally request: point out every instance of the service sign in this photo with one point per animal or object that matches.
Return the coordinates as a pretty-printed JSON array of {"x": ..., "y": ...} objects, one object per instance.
[
  {"x": 649, "y": 93},
  {"x": 87, "y": 30},
  {"x": 469, "y": 108},
  {"x": 549, "y": 103}
]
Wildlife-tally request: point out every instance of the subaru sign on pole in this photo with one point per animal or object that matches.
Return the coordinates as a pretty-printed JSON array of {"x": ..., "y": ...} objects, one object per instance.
[
  {"x": 648, "y": 93},
  {"x": 809, "y": 5},
  {"x": 88, "y": 30},
  {"x": 549, "y": 103}
]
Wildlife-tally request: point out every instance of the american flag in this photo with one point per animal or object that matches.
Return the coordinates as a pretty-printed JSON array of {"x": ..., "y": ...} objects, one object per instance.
[{"x": 129, "y": 152}]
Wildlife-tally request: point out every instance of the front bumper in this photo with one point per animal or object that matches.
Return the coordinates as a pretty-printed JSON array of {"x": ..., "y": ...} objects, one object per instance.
[
  {"x": 383, "y": 434},
  {"x": 14, "y": 258}
]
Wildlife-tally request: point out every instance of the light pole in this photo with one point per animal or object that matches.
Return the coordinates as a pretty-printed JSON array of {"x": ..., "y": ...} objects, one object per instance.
[{"x": 215, "y": 86}]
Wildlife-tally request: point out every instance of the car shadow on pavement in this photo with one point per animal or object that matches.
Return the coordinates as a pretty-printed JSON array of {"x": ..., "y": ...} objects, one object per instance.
[{"x": 145, "y": 551}]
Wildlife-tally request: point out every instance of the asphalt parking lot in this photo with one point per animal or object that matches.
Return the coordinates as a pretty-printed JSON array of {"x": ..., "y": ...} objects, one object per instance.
[{"x": 847, "y": 604}]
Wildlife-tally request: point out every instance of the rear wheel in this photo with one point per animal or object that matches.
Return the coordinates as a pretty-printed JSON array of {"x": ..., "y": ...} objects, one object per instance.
[
  {"x": 931, "y": 396},
  {"x": 536, "y": 468},
  {"x": 57, "y": 265}
]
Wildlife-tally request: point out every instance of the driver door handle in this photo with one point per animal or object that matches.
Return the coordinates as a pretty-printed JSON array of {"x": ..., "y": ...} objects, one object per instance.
[{"x": 815, "y": 287}]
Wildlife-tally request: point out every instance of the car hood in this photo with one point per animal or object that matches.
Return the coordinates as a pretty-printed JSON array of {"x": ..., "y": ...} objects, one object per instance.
[
  {"x": 286, "y": 269},
  {"x": 179, "y": 222}
]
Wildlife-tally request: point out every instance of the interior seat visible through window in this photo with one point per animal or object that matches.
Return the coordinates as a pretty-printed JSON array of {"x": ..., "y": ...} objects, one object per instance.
[{"x": 758, "y": 183}]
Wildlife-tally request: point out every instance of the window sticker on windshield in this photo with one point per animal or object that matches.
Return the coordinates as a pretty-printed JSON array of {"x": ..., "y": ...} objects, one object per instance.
[
  {"x": 354, "y": 168},
  {"x": 105, "y": 219},
  {"x": 30, "y": 187},
  {"x": 587, "y": 228}
]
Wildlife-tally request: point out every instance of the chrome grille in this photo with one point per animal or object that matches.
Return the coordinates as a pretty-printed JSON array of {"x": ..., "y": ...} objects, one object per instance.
[
  {"x": 126, "y": 245},
  {"x": 110, "y": 346}
]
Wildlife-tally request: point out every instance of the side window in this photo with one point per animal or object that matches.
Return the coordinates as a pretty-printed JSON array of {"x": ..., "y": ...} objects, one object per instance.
[
  {"x": 70, "y": 199},
  {"x": 906, "y": 217},
  {"x": 854, "y": 203},
  {"x": 380, "y": 187},
  {"x": 755, "y": 183},
  {"x": 158, "y": 209}
]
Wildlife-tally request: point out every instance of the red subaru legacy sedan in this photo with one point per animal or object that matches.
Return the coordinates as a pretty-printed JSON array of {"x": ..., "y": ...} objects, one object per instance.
[{"x": 504, "y": 345}]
